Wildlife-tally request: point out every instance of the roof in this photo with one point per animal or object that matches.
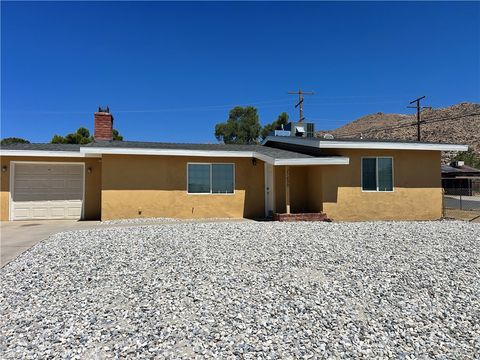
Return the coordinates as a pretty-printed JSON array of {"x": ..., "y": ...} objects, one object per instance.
[
  {"x": 268, "y": 154},
  {"x": 348, "y": 143},
  {"x": 44, "y": 150},
  {"x": 276, "y": 153},
  {"x": 287, "y": 150},
  {"x": 42, "y": 147},
  {"x": 461, "y": 170}
]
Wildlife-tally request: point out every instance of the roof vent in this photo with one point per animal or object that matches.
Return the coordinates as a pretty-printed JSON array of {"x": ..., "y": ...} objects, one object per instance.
[{"x": 328, "y": 137}]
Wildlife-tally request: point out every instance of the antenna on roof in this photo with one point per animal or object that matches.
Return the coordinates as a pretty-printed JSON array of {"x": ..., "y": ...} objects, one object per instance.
[{"x": 300, "y": 101}]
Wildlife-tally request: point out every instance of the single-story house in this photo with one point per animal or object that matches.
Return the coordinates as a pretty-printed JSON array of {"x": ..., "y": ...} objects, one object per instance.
[
  {"x": 106, "y": 179},
  {"x": 459, "y": 179}
]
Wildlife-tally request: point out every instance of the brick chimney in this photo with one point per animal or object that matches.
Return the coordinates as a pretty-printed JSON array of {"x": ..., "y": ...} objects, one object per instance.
[{"x": 103, "y": 125}]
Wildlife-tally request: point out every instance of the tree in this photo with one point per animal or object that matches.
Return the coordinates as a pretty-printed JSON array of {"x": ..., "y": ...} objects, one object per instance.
[
  {"x": 14, "y": 140},
  {"x": 469, "y": 157},
  {"x": 241, "y": 127},
  {"x": 282, "y": 120},
  {"x": 117, "y": 136},
  {"x": 81, "y": 136},
  {"x": 83, "y": 132},
  {"x": 58, "y": 139}
]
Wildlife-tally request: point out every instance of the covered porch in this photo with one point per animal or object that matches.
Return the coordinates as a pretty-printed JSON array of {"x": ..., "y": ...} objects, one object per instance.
[{"x": 294, "y": 192}]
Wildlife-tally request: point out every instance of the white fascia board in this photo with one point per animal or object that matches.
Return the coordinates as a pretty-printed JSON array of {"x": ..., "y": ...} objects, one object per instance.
[
  {"x": 165, "y": 152},
  {"x": 266, "y": 158},
  {"x": 391, "y": 146},
  {"x": 45, "y": 153},
  {"x": 177, "y": 152},
  {"x": 314, "y": 161},
  {"x": 217, "y": 153},
  {"x": 374, "y": 145}
]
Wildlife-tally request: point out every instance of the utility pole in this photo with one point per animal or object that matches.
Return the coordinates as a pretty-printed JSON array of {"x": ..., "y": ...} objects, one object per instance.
[
  {"x": 419, "y": 109},
  {"x": 300, "y": 94}
]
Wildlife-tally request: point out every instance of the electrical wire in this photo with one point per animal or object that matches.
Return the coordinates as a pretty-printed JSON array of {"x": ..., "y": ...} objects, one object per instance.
[{"x": 426, "y": 121}]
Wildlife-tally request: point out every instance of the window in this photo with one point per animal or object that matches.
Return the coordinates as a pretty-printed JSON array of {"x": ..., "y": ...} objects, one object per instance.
[
  {"x": 377, "y": 174},
  {"x": 210, "y": 178},
  {"x": 198, "y": 178}
]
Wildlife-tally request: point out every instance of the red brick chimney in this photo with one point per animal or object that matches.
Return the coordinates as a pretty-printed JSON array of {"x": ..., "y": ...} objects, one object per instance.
[{"x": 103, "y": 125}]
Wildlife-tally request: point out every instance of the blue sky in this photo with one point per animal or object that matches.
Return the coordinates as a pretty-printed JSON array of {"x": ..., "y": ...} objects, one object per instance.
[{"x": 170, "y": 71}]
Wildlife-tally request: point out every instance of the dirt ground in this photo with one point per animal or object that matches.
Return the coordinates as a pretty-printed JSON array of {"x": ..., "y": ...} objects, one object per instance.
[{"x": 466, "y": 215}]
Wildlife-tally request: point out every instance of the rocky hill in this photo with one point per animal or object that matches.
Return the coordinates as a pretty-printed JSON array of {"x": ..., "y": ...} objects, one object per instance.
[{"x": 456, "y": 124}]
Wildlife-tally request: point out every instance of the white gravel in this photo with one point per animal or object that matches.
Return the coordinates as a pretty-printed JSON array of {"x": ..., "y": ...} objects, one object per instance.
[
  {"x": 138, "y": 220},
  {"x": 141, "y": 221},
  {"x": 251, "y": 290}
]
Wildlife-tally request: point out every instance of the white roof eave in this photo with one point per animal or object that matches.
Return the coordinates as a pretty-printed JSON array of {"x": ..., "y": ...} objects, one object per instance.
[
  {"x": 373, "y": 145},
  {"x": 46, "y": 153},
  {"x": 333, "y": 160}
]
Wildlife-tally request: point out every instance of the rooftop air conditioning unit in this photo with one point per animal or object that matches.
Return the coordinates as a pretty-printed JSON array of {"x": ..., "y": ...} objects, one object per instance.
[
  {"x": 328, "y": 137},
  {"x": 281, "y": 133},
  {"x": 457, "y": 163},
  {"x": 301, "y": 129}
]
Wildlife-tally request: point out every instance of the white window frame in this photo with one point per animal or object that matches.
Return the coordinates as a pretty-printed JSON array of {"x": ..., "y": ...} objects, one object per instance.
[
  {"x": 214, "y": 163},
  {"x": 376, "y": 173}
]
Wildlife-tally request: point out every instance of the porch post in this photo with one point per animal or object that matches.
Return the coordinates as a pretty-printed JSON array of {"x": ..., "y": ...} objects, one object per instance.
[{"x": 287, "y": 189}]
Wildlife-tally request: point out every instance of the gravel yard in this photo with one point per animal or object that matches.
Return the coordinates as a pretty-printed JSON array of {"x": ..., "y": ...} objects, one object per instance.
[{"x": 251, "y": 290}]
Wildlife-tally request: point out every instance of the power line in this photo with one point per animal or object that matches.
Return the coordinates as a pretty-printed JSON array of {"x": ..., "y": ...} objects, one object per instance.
[
  {"x": 278, "y": 102},
  {"x": 427, "y": 121},
  {"x": 314, "y": 103}
]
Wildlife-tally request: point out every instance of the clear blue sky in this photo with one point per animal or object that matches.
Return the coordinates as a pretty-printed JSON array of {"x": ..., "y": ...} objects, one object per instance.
[{"x": 170, "y": 71}]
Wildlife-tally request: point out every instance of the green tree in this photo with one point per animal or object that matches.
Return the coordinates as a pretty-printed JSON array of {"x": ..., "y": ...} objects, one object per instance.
[
  {"x": 83, "y": 132},
  {"x": 241, "y": 127},
  {"x": 469, "y": 157},
  {"x": 58, "y": 139},
  {"x": 282, "y": 120},
  {"x": 14, "y": 140},
  {"x": 81, "y": 136},
  {"x": 117, "y": 136}
]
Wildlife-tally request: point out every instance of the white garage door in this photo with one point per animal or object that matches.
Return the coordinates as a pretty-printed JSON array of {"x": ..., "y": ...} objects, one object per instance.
[{"x": 47, "y": 191}]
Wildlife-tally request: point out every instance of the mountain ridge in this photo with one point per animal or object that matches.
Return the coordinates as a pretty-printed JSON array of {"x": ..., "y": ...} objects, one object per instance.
[{"x": 455, "y": 124}]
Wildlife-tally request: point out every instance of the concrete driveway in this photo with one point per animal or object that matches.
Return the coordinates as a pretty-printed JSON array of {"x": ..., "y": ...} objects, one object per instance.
[{"x": 18, "y": 236}]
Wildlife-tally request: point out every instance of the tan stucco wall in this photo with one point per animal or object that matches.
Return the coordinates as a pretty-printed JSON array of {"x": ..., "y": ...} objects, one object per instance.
[
  {"x": 336, "y": 189},
  {"x": 305, "y": 189},
  {"x": 417, "y": 191},
  {"x": 92, "y": 183},
  {"x": 156, "y": 186},
  {"x": 314, "y": 181}
]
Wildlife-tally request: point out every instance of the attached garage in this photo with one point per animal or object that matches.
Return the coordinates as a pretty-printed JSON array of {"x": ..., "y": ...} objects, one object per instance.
[{"x": 46, "y": 191}]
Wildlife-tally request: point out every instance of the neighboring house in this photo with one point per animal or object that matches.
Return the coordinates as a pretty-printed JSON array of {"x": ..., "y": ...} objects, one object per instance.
[
  {"x": 347, "y": 180},
  {"x": 459, "y": 179}
]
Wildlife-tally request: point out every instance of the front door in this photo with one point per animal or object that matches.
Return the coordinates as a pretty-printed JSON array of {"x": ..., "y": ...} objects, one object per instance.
[{"x": 269, "y": 190}]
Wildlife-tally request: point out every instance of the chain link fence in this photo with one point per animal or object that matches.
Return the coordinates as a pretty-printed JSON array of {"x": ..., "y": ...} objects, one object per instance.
[{"x": 462, "y": 198}]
